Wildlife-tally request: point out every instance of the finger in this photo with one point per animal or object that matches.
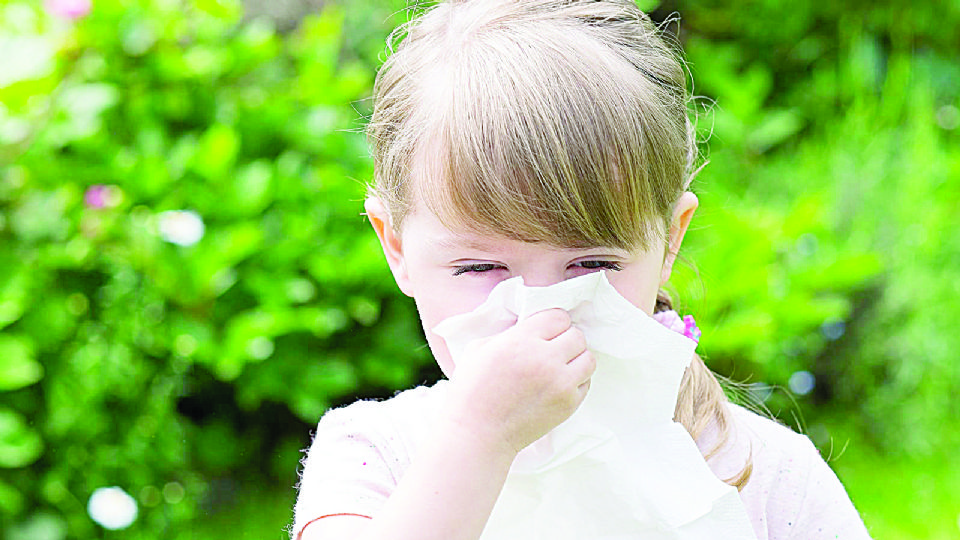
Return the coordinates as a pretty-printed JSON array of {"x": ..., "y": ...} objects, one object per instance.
[
  {"x": 546, "y": 324},
  {"x": 569, "y": 344},
  {"x": 582, "y": 391},
  {"x": 582, "y": 367}
]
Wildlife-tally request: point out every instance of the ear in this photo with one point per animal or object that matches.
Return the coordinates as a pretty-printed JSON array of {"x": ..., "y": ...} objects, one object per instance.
[
  {"x": 389, "y": 241},
  {"x": 682, "y": 214}
]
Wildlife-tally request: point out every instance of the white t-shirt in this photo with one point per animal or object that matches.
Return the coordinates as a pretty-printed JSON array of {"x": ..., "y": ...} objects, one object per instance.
[{"x": 361, "y": 451}]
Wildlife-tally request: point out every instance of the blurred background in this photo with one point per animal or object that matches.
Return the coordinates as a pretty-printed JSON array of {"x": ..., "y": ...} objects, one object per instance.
[{"x": 186, "y": 282}]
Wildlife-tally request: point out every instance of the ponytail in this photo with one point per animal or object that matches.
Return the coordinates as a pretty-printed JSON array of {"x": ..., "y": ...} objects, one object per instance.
[{"x": 701, "y": 401}]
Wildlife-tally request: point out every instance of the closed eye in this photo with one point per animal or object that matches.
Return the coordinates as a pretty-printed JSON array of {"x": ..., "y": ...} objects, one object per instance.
[
  {"x": 475, "y": 268},
  {"x": 604, "y": 265}
]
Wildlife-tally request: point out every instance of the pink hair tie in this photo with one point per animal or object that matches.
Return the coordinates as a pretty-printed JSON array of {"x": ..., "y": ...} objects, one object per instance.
[{"x": 686, "y": 326}]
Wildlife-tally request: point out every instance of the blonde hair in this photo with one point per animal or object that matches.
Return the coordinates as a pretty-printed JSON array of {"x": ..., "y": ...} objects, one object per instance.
[{"x": 556, "y": 121}]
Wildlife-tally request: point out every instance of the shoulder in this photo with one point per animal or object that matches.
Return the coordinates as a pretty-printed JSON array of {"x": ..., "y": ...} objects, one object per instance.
[
  {"x": 767, "y": 444},
  {"x": 792, "y": 492},
  {"x": 359, "y": 452},
  {"x": 769, "y": 433},
  {"x": 392, "y": 425},
  {"x": 770, "y": 442},
  {"x": 403, "y": 404}
]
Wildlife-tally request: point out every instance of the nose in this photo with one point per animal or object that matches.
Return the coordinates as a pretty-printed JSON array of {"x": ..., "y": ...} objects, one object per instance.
[{"x": 542, "y": 278}]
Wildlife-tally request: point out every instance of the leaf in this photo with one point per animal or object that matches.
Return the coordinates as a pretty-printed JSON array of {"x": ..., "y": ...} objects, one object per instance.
[
  {"x": 223, "y": 249},
  {"x": 249, "y": 338},
  {"x": 226, "y": 10},
  {"x": 19, "y": 445},
  {"x": 775, "y": 128},
  {"x": 11, "y": 500},
  {"x": 251, "y": 189},
  {"x": 217, "y": 152},
  {"x": 13, "y": 298},
  {"x": 18, "y": 367},
  {"x": 207, "y": 62},
  {"x": 647, "y": 5}
]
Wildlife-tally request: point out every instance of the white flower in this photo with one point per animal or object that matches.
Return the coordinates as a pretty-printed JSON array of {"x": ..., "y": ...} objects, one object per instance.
[
  {"x": 181, "y": 227},
  {"x": 112, "y": 508}
]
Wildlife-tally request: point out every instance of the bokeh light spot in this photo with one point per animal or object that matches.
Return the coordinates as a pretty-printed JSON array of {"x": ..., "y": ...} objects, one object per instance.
[
  {"x": 173, "y": 492},
  {"x": 185, "y": 345},
  {"x": 150, "y": 496},
  {"x": 948, "y": 117},
  {"x": 802, "y": 382},
  {"x": 112, "y": 508},
  {"x": 181, "y": 227},
  {"x": 833, "y": 330},
  {"x": 260, "y": 348},
  {"x": 77, "y": 304}
]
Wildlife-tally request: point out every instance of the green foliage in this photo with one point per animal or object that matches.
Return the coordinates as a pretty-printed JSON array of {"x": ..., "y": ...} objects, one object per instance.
[
  {"x": 902, "y": 498},
  {"x": 826, "y": 238},
  {"x": 186, "y": 282},
  {"x": 180, "y": 205}
]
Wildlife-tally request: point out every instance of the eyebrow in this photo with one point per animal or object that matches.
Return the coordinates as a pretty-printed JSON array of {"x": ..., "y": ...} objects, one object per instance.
[
  {"x": 454, "y": 242},
  {"x": 458, "y": 242}
]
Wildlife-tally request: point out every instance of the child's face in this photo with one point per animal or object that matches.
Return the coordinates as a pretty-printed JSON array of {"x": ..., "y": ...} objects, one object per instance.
[{"x": 449, "y": 272}]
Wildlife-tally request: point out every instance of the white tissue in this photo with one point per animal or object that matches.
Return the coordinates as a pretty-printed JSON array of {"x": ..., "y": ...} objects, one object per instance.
[{"x": 619, "y": 467}]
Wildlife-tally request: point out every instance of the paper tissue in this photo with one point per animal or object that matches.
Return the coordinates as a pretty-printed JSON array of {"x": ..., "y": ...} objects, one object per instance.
[{"x": 619, "y": 467}]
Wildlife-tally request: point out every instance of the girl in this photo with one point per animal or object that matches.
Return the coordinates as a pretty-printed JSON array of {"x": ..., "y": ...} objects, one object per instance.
[{"x": 545, "y": 139}]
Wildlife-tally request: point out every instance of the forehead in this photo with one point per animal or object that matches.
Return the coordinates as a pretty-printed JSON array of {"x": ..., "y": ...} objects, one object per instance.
[
  {"x": 424, "y": 228},
  {"x": 422, "y": 224}
]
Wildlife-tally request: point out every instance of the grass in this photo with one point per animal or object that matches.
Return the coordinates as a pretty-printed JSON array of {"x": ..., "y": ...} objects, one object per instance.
[
  {"x": 261, "y": 512},
  {"x": 903, "y": 499}
]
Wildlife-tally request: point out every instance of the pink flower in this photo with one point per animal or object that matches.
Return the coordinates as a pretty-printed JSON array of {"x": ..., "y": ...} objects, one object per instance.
[
  {"x": 99, "y": 196},
  {"x": 686, "y": 326},
  {"x": 69, "y": 9},
  {"x": 690, "y": 328}
]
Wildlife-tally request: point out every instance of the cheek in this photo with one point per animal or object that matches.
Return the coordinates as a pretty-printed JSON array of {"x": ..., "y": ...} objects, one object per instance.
[
  {"x": 441, "y": 296},
  {"x": 438, "y": 346},
  {"x": 638, "y": 284}
]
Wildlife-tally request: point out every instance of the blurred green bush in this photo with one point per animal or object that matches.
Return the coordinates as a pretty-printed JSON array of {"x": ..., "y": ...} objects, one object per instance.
[
  {"x": 179, "y": 214},
  {"x": 186, "y": 282},
  {"x": 828, "y": 239}
]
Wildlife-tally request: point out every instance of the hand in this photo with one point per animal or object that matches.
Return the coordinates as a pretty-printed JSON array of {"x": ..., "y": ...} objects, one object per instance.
[{"x": 510, "y": 389}]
